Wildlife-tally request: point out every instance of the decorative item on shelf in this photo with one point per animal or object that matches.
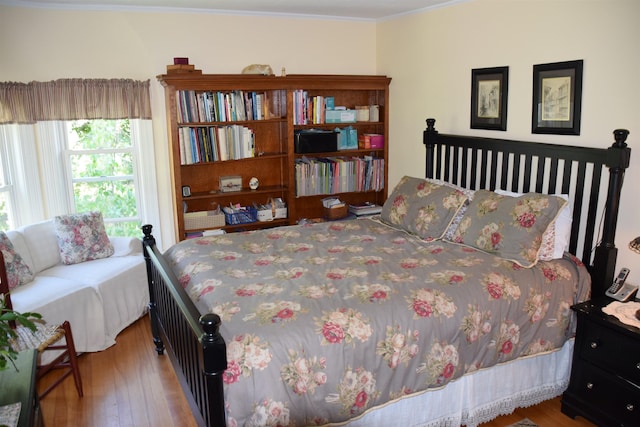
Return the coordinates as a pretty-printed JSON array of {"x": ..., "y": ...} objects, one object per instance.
[
  {"x": 186, "y": 191},
  {"x": 181, "y": 65},
  {"x": 230, "y": 183},
  {"x": 261, "y": 69},
  {"x": 634, "y": 245},
  {"x": 254, "y": 183}
]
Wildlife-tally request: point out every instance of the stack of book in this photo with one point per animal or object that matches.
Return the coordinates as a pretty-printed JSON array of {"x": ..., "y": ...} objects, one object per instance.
[{"x": 365, "y": 208}]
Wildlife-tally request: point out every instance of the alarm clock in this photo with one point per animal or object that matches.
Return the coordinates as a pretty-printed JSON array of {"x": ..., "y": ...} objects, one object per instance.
[{"x": 253, "y": 183}]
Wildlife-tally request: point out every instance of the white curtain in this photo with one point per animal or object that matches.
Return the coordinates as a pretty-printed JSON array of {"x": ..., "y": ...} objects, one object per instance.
[
  {"x": 142, "y": 136},
  {"x": 19, "y": 143}
]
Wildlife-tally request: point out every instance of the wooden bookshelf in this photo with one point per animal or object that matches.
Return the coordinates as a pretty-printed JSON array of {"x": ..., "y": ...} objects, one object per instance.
[{"x": 273, "y": 156}]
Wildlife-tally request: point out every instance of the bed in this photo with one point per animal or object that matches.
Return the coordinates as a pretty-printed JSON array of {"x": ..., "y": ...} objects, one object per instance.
[{"x": 450, "y": 308}]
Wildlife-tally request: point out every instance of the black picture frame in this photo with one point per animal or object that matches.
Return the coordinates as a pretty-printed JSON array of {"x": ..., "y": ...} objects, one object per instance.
[
  {"x": 489, "y": 91},
  {"x": 557, "y": 98}
]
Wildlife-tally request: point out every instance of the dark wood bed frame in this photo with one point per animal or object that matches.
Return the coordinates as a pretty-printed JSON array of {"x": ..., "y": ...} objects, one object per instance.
[{"x": 198, "y": 351}]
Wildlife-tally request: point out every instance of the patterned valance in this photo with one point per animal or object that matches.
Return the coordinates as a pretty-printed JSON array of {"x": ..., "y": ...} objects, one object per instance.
[{"x": 73, "y": 99}]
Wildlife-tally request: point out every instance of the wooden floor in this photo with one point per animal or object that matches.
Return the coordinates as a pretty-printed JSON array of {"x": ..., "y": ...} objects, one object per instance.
[{"x": 130, "y": 385}]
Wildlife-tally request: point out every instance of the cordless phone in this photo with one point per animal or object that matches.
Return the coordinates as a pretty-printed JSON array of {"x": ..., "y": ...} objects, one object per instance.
[{"x": 620, "y": 290}]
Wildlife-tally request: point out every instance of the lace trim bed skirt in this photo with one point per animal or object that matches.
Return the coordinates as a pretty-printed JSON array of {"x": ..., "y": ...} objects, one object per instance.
[{"x": 481, "y": 396}]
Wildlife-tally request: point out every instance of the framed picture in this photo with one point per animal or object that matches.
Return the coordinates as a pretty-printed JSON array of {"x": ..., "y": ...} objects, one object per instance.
[
  {"x": 557, "y": 98},
  {"x": 489, "y": 89}
]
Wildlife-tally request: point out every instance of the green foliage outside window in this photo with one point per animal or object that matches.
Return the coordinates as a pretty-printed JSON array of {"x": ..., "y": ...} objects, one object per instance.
[{"x": 102, "y": 167}]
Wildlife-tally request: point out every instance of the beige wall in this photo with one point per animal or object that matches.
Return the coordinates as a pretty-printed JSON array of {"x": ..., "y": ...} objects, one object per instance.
[
  {"x": 430, "y": 57},
  {"x": 42, "y": 45}
]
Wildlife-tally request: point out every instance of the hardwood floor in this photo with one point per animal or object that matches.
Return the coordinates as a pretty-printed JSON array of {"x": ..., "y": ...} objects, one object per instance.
[{"x": 130, "y": 385}]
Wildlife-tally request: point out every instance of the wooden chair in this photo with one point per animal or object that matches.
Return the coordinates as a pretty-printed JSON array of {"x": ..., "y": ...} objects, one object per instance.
[{"x": 57, "y": 338}]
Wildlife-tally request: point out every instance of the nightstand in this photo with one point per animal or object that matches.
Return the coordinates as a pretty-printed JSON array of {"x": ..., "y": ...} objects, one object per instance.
[
  {"x": 605, "y": 375},
  {"x": 20, "y": 386}
]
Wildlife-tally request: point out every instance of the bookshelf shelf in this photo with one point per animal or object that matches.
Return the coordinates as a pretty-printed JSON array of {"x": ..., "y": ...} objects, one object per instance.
[{"x": 194, "y": 102}]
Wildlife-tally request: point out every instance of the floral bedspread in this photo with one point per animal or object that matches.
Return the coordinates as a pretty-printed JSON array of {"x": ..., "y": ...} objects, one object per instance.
[{"x": 325, "y": 321}]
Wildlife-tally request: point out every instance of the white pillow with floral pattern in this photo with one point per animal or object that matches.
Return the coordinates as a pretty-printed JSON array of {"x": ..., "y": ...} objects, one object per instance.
[
  {"x": 82, "y": 237},
  {"x": 18, "y": 272}
]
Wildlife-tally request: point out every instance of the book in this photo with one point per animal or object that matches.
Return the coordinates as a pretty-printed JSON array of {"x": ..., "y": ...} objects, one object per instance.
[{"x": 365, "y": 208}]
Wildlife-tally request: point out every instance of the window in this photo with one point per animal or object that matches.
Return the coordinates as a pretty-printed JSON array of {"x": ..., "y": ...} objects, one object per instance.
[
  {"x": 102, "y": 171},
  {"x": 74, "y": 145}
]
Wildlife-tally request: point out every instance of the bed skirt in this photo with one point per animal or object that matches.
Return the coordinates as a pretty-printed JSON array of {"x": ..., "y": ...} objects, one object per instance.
[{"x": 481, "y": 396}]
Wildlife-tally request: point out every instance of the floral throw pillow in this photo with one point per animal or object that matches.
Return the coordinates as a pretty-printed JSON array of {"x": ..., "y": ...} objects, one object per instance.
[
  {"x": 82, "y": 237},
  {"x": 18, "y": 272},
  {"x": 509, "y": 227},
  {"x": 422, "y": 207}
]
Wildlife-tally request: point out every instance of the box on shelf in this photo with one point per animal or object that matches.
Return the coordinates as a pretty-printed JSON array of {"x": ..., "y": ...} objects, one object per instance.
[
  {"x": 336, "y": 212},
  {"x": 362, "y": 113},
  {"x": 370, "y": 140},
  {"x": 315, "y": 141},
  {"x": 240, "y": 215},
  {"x": 203, "y": 219},
  {"x": 377, "y": 140},
  {"x": 273, "y": 209},
  {"x": 348, "y": 138},
  {"x": 340, "y": 116}
]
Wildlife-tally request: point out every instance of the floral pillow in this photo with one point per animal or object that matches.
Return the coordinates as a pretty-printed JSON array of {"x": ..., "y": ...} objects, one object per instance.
[
  {"x": 18, "y": 272},
  {"x": 555, "y": 240},
  {"x": 448, "y": 235},
  {"x": 421, "y": 207},
  {"x": 509, "y": 227},
  {"x": 82, "y": 237}
]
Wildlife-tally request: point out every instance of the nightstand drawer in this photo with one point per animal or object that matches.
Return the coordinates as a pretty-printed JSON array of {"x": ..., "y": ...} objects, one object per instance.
[
  {"x": 609, "y": 395},
  {"x": 611, "y": 350}
]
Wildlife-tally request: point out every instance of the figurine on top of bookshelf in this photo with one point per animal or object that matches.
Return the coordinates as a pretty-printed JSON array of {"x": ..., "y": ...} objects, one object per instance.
[{"x": 262, "y": 69}]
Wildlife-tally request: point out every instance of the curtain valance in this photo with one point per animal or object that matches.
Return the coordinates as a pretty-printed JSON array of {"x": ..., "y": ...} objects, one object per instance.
[{"x": 73, "y": 99}]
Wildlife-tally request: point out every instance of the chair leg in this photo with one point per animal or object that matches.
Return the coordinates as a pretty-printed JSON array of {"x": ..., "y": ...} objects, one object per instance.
[
  {"x": 73, "y": 357},
  {"x": 68, "y": 360}
]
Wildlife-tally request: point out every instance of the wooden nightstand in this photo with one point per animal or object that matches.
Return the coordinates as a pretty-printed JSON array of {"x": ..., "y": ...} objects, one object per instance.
[
  {"x": 605, "y": 375},
  {"x": 20, "y": 386}
]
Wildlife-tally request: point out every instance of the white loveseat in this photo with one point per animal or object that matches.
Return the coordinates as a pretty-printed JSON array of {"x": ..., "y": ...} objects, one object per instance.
[{"x": 99, "y": 297}]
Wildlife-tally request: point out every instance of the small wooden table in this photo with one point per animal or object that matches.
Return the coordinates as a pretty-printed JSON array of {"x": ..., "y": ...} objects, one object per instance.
[{"x": 20, "y": 386}]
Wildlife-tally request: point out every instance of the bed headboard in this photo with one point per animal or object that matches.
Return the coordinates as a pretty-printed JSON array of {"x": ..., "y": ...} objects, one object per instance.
[{"x": 489, "y": 163}]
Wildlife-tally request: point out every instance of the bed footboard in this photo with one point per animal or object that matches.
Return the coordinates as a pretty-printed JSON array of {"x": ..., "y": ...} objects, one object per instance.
[{"x": 193, "y": 342}]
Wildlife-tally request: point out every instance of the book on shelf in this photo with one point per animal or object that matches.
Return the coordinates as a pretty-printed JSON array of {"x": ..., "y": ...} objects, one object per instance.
[
  {"x": 332, "y": 175},
  {"x": 365, "y": 208}
]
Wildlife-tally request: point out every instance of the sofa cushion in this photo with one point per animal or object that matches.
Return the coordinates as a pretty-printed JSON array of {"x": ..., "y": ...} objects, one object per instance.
[
  {"x": 121, "y": 282},
  {"x": 59, "y": 299},
  {"x": 41, "y": 239},
  {"x": 82, "y": 237},
  {"x": 18, "y": 272}
]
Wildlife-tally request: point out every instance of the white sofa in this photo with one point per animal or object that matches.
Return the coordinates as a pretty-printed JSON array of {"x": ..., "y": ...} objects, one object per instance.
[{"x": 99, "y": 298}]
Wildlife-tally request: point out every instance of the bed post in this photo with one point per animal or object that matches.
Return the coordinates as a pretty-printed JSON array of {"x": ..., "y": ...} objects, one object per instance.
[
  {"x": 149, "y": 241},
  {"x": 604, "y": 262},
  {"x": 215, "y": 363},
  {"x": 428, "y": 139}
]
